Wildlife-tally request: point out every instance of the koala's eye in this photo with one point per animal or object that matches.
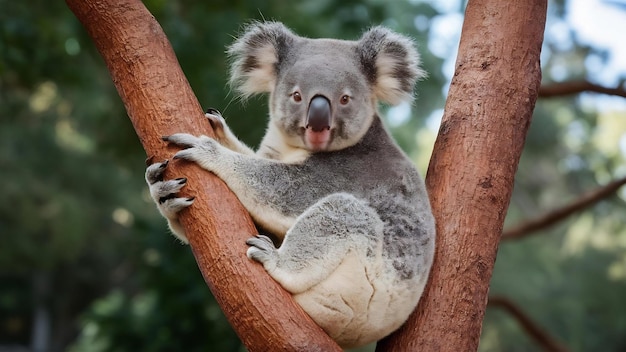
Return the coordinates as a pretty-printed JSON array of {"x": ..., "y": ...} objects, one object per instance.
[
  {"x": 345, "y": 99},
  {"x": 296, "y": 97}
]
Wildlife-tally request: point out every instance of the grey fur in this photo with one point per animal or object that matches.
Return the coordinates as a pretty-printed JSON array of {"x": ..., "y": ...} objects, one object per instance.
[{"x": 350, "y": 208}]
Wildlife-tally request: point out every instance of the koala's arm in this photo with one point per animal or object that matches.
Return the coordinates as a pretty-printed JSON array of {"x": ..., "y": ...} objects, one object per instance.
[
  {"x": 273, "y": 192},
  {"x": 164, "y": 192}
]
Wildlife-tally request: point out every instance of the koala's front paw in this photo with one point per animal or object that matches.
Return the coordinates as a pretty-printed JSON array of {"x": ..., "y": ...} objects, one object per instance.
[
  {"x": 203, "y": 150},
  {"x": 164, "y": 192},
  {"x": 263, "y": 251}
]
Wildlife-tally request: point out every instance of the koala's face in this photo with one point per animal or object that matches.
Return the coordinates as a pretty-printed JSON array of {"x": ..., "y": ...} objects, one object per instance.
[
  {"x": 322, "y": 101},
  {"x": 323, "y": 92}
]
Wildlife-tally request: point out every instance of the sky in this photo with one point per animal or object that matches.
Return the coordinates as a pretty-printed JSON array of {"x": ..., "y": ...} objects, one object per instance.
[
  {"x": 600, "y": 23},
  {"x": 603, "y": 24}
]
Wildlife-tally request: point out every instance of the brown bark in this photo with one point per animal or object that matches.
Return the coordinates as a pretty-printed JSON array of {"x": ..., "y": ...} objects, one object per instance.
[
  {"x": 569, "y": 88},
  {"x": 554, "y": 216},
  {"x": 159, "y": 102},
  {"x": 533, "y": 330},
  {"x": 470, "y": 176}
]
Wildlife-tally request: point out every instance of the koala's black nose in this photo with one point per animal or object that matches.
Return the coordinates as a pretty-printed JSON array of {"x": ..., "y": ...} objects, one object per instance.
[{"x": 318, "y": 117}]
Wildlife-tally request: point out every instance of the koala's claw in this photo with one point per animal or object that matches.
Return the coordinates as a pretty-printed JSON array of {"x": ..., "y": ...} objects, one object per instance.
[
  {"x": 261, "y": 248},
  {"x": 175, "y": 205},
  {"x": 260, "y": 241},
  {"x": 183, "y": 154},
  {"x": 154, "y": 172},
  {"x": 164, "y": 192},
  {"x": 213, "y": 111},
  {"x": 216, "y": 120},
  {"x": 184, "y": 140},
  {"x": 165, "y": 189}
]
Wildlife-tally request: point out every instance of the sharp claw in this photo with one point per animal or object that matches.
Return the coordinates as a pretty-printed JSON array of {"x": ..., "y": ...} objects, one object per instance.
[
  {"x": 213, "y": 111},
  {"x": 165, "y": 138},
  {"x": 149, "y": 160},
  {"x": 191, "y": 199},
  {"x": 181, "y": 180},
  {"x": 183, "y": 154},
  {"x": 164, "y": 164},
  {"x": 169, "y": 196},
  {"x": 264, "y": 238}
]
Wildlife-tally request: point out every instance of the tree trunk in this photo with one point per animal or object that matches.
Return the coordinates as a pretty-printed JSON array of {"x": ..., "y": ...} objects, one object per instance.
[
  {"x": 159, "y": 102},
  {"x": 471, "y": 172}
]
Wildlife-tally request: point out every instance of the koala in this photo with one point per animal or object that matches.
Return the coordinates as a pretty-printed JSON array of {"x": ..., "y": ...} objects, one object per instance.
[{"x": 347, "y": 207}]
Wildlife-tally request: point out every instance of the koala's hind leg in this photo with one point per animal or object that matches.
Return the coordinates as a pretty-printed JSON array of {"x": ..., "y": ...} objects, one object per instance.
[{"x": 336, "y": 227}]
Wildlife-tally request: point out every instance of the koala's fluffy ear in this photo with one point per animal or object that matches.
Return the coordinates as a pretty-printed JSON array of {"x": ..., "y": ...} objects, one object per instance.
[
  {"x": 256, "y": 57},
  {"x": 391, "y": 63}
]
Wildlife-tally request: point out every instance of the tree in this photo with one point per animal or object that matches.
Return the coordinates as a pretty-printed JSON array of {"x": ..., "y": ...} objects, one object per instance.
[{"x": 457, "y": 283}]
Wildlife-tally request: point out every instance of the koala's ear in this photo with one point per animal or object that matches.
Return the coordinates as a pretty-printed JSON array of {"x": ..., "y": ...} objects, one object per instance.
[
  {"x": 256, "y": 57},
  {"x": 391, "y": 63}
]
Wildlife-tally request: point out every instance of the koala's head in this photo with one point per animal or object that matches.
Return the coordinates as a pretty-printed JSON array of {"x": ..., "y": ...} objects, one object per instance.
[{"x": 323, "y": 92}]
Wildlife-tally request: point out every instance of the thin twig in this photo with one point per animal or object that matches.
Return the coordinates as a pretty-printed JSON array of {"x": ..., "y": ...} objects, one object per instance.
[
  {"x": 547, "y": 342},
  {"x": 575, "y": 87},
  {"x": 554, "y": 216}
]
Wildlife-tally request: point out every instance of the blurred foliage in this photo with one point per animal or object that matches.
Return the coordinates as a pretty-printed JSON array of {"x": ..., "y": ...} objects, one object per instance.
[{"x": 86, "y": 263}]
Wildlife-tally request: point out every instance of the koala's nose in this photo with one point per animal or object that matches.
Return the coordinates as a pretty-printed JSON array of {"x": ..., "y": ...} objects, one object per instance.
[{"x": 318, "y": 117}]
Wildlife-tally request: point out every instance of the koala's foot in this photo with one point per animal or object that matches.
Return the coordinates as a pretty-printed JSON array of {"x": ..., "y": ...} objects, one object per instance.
[
  {"x": 262, "y": 250},
  {"x": 164, "y": 194}
]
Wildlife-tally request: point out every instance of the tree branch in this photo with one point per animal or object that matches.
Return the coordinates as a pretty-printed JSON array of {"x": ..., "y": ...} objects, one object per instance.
[
  {"x": 568, "y": 88},
  {"x": 552, "y": 217},
  {"x": 471, "y": 172},
  {"x": 533, "y": 330},
  {"x": 159, "y": 101}
]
